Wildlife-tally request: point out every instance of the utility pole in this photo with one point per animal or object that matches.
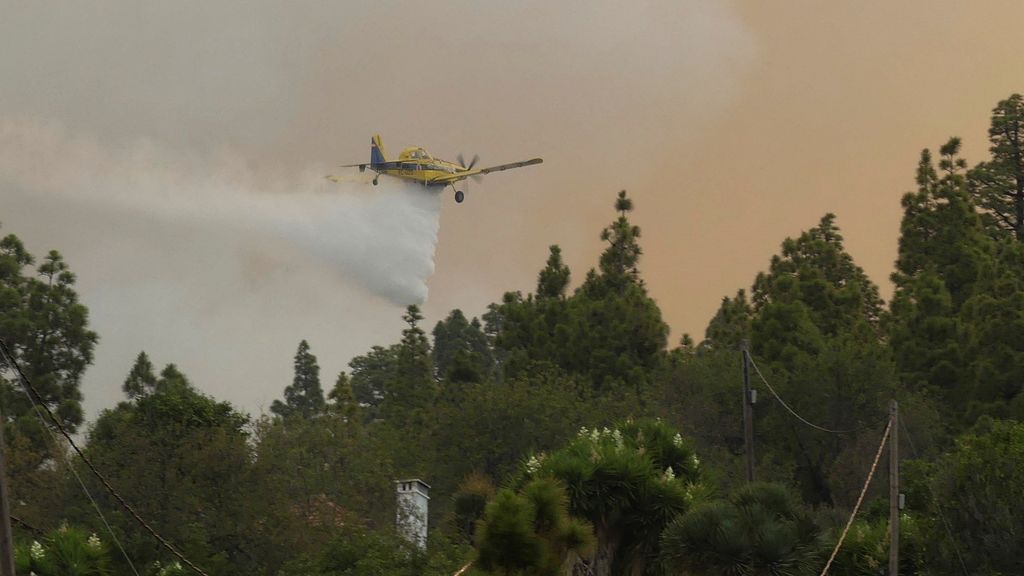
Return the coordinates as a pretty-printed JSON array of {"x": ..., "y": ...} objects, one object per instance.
[
  {"x": 894, "y": 490},
  {"x": 748, "y": 412},
  {"x": 6, "y": 544}
]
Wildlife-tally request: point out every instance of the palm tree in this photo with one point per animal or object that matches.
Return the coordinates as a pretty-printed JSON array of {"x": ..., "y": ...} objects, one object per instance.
[
  {"x": 531, "y": 532},
  {"x": 761, "y": 530},
  {"x": 629, "y": 483}
]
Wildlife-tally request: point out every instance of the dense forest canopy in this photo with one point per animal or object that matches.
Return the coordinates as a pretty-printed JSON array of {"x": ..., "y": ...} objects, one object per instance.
[{"x": 560, "y": 432}]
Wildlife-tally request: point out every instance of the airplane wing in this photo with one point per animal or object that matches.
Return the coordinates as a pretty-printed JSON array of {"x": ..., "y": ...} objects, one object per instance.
[
  {"x": 464, "y": 174},
  {"x": 501, "y": 167}
]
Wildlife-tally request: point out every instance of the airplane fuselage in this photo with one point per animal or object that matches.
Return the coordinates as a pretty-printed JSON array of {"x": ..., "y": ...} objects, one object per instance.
[
  {"x": 426, "y": 171},
  {"x": 415, "y": 165}
]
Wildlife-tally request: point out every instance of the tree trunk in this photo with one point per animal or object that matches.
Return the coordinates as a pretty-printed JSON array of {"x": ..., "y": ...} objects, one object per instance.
[{"x": 604, "y": 555}]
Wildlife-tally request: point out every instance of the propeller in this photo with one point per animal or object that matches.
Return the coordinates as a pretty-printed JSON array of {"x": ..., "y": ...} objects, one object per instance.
[{"x": 462, "y": 162}]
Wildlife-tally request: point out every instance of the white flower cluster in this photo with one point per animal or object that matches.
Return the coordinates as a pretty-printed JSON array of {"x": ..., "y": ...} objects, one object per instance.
[
  {"x": 694, "y": 460},
  {"x": 532, "y": 465},
  {"x": 597, "y": 434},
  {"x": 94, "y": 541},
  {"x": 678, "y": 440},
  {"x": 174, "y": 568},
  {"x": 36, "y": 550},
  {"x": 669, "y": 475}
]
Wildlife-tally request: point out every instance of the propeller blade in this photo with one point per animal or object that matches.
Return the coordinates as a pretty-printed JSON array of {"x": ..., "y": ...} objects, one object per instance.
[
  {"x": 461, "y": 161},
  {"x": 476, "y": 158}
]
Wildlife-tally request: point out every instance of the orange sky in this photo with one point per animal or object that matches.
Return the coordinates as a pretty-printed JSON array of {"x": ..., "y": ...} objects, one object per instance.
[
  {"x": 732, "y": 125},
  {"x": 831, "y": 112}
]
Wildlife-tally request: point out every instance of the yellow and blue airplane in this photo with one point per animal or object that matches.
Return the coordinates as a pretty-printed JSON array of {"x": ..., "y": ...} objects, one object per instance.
[{"x": 415, "y": 165}]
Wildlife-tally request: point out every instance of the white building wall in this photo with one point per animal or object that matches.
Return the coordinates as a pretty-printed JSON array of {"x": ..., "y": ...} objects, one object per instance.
[{"x": 413, "y": 500}]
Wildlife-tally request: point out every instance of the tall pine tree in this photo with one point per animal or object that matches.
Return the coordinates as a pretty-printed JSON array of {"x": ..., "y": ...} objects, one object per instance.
[
  {"x": 813, "y": 290},
  {"x": 554, "y": 278},
  {"x": 141, "y": 380},
  {"x": 461, "y": 350},
  {"x": 412, "y": 388},
  {"x": 998, "y": 185},
  {"x": 46, "y": 329},
  {"x": 609, "y": 332},
  {"x": 304, "y": 397}
]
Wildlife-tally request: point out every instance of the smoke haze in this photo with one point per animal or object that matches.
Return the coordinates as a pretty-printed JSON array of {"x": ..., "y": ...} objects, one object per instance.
[
  {"x": 174, "y": 153},
  {"x": 381, "y": 238},
  {"x": 201, "y": 262}
]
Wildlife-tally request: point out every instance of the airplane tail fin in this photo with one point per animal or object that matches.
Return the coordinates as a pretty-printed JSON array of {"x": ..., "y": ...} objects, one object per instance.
[{"x": 377, "y": 151}]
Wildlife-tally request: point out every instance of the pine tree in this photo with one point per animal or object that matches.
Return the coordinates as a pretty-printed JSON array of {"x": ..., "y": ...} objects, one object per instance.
[
  {"x": 176, "y": 455},
  {"x": 609, "y": 331},
  {"x": 141, "y": 380},
  {"x": 992, "y": 324},
  {"x": 924, "y": 335},
  {"x": 304, "y": 397},
  {"x": 944, "y": 256},
  {"x": 171, "y": 377},
  {"x": 413, "y": 386},
  {"x": 617, "y": 335},
  {"x": 941, "y": 228},
  {"x": 372, "y": 375},
  {"x": 816, "y": 325},
  {"x": 46, "y": 329},
  {"x": 812, "y": 290},
  {"x": 998, "y": 185},
  {"x": 619, "y": 260},
  {"x": 461, "y": 350},
  {"x": 343, "y": 399},
  {"x": 554, "y": 278},
  {"x": 730, "y": 325}
]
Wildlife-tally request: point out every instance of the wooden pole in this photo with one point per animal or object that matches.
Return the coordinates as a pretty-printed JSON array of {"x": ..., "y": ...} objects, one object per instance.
[
  {"x": 6, "y": 543},
  {"x": 894, "y": 491},
  {"x": 748, "y": 412}
]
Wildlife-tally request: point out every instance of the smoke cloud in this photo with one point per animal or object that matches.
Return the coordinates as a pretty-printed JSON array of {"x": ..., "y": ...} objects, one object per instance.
[
  {"x": 380, "y": 238},
  {"x": 175, "y": 154}
]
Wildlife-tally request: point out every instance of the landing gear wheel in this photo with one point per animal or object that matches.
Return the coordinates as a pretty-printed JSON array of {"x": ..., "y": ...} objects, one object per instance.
[
  {"x": 374, "y": 180},
  {"x": 459, "y": 196}
]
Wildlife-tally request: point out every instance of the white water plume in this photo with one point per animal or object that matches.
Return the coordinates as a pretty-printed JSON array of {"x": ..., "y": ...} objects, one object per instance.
[{"x": 380, "y": 238}]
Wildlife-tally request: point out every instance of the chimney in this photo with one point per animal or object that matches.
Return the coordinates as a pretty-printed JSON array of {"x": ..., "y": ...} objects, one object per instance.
[{"x": 413, "y": 496}]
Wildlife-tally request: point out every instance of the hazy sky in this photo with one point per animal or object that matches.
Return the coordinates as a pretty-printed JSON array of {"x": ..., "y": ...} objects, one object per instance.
[{"x": 173, "y": 152}]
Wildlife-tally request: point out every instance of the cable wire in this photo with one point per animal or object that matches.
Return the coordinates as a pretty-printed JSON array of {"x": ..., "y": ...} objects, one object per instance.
[
  {"x": 863, "y": 491},
  {"x": 26, "y": 525},
  {"x": 71, "y": 466},
  {"x": 793, "y": 412},
  {"x": 31, "y": 391},
  {"x": 938, "y": 506}
]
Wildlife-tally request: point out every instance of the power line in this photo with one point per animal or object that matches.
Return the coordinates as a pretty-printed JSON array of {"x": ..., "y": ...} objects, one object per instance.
[
  {"x": 793, "y": 412},
  {"x": 71, "y": 467},
  {"x": 938, "y": 505},
  {"x": 31, "y": 391},
  {"x": 856, "y": 507},
  {"x": 26, "y": 525}
]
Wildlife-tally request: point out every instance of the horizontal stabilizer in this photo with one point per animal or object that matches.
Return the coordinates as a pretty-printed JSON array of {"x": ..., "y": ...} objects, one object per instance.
[{"x": 336, "y": 178}]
